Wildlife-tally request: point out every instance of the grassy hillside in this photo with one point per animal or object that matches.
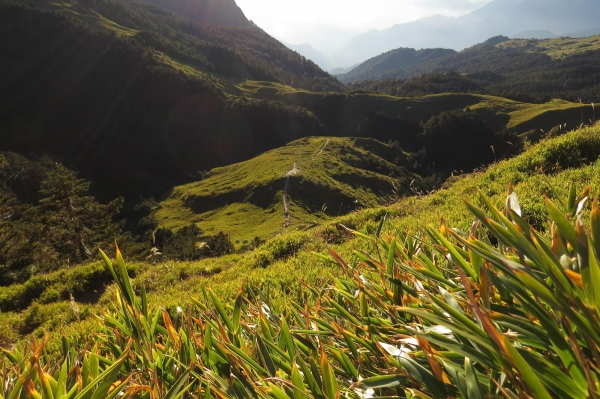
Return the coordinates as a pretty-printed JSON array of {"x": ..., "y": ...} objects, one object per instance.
[
  {"x": 221, "y": 49},
  {"x": 126, "y": 87},
  {"x": 246, "y": 200},
  {"x": 556, "y": 48},
  {"x": 320, "y": 178},
  {"x": 213, "y": 12},
  {"x": 283, "y": 262}
]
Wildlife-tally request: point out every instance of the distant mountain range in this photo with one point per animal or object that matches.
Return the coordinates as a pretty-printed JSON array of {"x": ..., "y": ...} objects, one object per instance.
[
  {"x": 523, "y": 69},
  {"x": 511, "y": 18}
]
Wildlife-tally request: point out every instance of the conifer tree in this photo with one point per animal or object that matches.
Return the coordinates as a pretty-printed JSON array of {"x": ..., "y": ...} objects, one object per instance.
[{"x": 75, "y": 222}]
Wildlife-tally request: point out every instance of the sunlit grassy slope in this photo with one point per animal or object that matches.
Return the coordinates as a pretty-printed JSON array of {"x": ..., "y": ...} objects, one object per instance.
[
  {"x": 555, "y": 48},
  {"x": 354, "y": 108},
  {"x": 283, "y": 263},
  {"x": 332, "y": 176},
  {"x": 246, "y": 200},
  {"x": 547, "y": 168}
]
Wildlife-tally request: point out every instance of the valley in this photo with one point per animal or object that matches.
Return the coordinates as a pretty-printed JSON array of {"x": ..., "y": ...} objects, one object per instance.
[{"x": 188, "y": 208}]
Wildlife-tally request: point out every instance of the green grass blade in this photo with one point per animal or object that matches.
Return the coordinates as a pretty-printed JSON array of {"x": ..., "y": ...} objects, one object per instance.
[
  {"x": 473, "y": 387},
  {"x": 287, "y": 337},
  {"x": 176, "y": 389},
  {"x": 246, "y": 358},
  {"x": 455, "y": 254},
  {"x": 562, "y": 223},
  {"x": 391, "y": 257},
  {"x": 595, "y": 226},
  {"x": 423, "y": 377},
  {"x": 330, "y": 386},
  {"x": 220, "y": 309},
  {"x": 299, "y": 389},
  {"x": 126, "y": 283},
  {"x": 265, "y": 356},
  {"x": 237, "y": 311},
  {"x": 595, "y": 277},
  {"x": 381, "y": 381},
  {"x": 561, "y": 384},
  {"x": 101, "y": 384},
  {"x": 528, "y": 375}
]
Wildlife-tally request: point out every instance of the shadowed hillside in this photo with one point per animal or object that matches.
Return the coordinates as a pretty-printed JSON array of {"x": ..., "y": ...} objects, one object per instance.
[
  {"x": 212, "y": 12},
  {"x": 125, "y": 88},
  {"x": 393, "y": 63}
]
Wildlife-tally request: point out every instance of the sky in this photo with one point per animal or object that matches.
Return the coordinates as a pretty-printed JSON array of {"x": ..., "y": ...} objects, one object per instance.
[{"x": 328, "y": 24}]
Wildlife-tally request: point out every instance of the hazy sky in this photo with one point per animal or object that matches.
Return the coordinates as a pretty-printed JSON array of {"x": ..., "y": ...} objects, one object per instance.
[{"x": 328, "y": 24}]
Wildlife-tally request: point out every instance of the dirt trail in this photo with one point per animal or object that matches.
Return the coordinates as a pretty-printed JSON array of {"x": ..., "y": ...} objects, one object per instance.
[
  {"x": 291, "y": 172},
  {"x": 322, "y": 148}
]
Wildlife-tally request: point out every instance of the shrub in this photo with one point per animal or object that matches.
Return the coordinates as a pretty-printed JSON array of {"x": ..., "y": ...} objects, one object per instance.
[{"x": 50, "y": 295}]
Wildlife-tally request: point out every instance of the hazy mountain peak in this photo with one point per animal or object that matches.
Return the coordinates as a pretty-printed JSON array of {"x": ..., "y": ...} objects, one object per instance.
[{"x": 498, "y": 17}]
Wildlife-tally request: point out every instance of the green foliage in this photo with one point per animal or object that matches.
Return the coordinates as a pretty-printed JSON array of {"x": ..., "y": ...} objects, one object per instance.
[
  {"x": 457, "y": 139},
  {"x": 434, "y": 314},
  {"x": 188, "y": 243},
  {"x": 217, "y": 245},
  {"x": 73, "y": 221},
  {"x": 429, "y": 83},
  {"x": 48, "y": 218},
  {"x": 181, "y": 245},
  {"x": 286, "y": 259}
]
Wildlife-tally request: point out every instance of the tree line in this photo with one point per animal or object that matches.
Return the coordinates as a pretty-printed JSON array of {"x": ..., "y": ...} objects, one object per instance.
[{"x": 49, "y": 219}]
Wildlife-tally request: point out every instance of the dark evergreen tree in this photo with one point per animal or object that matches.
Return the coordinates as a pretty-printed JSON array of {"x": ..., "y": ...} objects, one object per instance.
[
  {"x": 183, "y": 244},
  {"x": 218, "y": 245},
  {"x": 457, "y": 140},
  {"x": 75, "y": 223}
]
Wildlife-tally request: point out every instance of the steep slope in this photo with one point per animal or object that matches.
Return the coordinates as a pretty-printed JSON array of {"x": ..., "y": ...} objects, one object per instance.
[
  {"x": 498, "y": 17},
  {"x": 136, "y": 97},
  {"x": 290, "y": 188},
  {"x": 211, "y": 12}
]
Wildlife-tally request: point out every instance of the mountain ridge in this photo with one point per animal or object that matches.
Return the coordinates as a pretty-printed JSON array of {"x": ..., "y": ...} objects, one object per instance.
[
  {"x": 498, "y": 17},
  {"x": 214, "y": 12},
  {"x": 525, "y": 69}
]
